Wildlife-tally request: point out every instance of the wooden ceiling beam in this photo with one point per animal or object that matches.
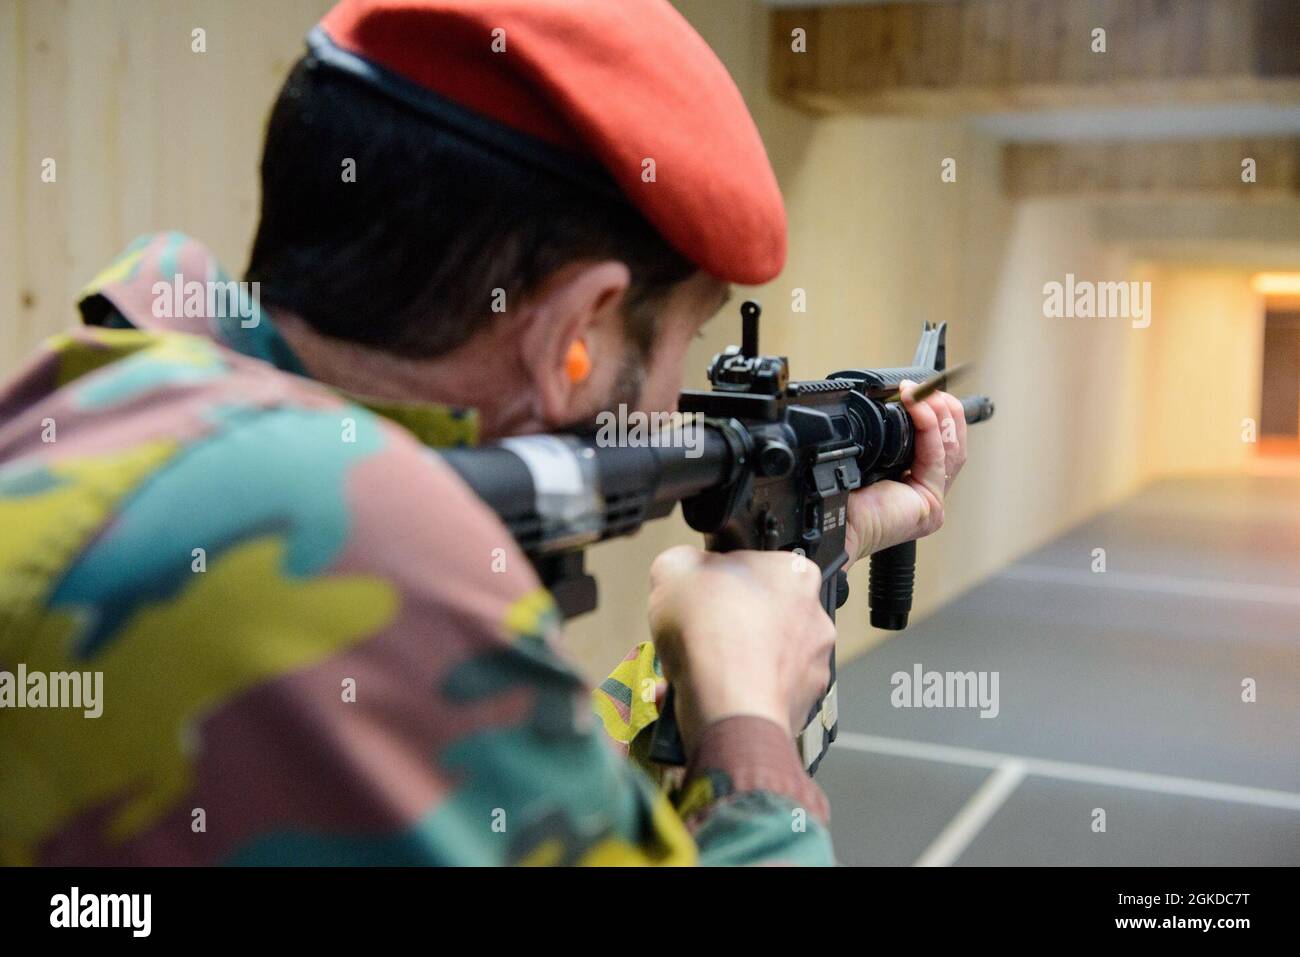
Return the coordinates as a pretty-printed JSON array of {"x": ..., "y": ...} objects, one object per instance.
[
  {"x": 1196, "y": 168},
  {"x": 961, "y": 55}
]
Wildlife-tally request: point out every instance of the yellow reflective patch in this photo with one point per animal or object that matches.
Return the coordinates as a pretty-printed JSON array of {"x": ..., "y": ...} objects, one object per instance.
[{"x": 639, "y": 676}]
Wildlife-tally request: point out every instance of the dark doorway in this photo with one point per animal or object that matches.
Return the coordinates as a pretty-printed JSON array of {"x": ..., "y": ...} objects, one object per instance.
[{"x": 1279, "y": 415}]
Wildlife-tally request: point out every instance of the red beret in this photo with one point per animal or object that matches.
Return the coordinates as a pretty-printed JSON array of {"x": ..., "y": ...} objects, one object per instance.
[{"x": 582, "y": 85}]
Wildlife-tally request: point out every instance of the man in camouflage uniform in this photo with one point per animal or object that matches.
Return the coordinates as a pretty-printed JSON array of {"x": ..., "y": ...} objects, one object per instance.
[{"x": 234, "y": 514}]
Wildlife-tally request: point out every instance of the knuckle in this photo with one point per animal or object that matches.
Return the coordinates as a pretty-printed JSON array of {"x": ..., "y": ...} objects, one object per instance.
[
  {"x": 658, "y": 570},
  {"x": 669, "y": 561}
]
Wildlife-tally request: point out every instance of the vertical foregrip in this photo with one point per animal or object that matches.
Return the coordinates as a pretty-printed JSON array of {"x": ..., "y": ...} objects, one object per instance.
[{"x": 893, "y": 571}]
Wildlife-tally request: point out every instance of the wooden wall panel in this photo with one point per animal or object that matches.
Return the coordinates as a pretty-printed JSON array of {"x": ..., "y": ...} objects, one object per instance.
[{"x": 146, "y": 134}]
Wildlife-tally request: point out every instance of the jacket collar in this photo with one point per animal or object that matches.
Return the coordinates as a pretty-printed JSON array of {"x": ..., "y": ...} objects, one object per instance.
[{"x": 169, "y": 282}]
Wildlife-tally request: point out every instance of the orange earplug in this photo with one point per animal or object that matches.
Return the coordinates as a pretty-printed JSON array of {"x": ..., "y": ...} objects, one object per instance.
[{"x": 577, "y": 364}]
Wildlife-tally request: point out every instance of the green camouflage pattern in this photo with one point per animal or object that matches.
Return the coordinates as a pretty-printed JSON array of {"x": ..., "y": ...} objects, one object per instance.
[{"x": 311, "y": 649}]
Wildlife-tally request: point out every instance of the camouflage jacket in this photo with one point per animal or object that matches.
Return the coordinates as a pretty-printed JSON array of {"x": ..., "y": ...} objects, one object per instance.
[{"x": 304, "y": 649}]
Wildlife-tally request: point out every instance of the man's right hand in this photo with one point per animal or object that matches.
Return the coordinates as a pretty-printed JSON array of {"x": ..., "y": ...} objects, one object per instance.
[{"x": 740, "y": 633}]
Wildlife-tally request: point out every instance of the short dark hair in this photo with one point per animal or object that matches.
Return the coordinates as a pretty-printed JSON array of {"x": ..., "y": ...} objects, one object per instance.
[{"x": 407, "y": 257}]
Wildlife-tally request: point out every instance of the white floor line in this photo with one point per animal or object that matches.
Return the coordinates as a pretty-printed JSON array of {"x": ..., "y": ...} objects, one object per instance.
[
  {"x": 975, "y": 813},
  {"x": 1162, "y": 584},
  {"x": 1068, "y": 771}
]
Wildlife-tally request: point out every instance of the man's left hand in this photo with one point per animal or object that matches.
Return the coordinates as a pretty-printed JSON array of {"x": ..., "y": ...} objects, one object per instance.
[{"x": 891, "y": 512}]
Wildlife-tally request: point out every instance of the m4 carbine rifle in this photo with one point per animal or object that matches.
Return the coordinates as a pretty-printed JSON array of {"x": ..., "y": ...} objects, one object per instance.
[{"x": 774, "y": 470}]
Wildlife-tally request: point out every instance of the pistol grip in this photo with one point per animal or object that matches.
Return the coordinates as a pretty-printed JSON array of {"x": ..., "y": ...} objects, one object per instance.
[{"x": 666, "y": 740}]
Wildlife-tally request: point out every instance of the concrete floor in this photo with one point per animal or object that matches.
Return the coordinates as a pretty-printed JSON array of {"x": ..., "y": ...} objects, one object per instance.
[{"x": 1119, "y": 691}]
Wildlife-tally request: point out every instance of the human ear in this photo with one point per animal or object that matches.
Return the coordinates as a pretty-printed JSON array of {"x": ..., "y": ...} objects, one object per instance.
[{"x": 577, "y": 310}]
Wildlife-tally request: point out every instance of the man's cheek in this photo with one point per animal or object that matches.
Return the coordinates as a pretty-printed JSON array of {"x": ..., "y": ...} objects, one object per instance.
[{"x": 662, "y": 388}]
